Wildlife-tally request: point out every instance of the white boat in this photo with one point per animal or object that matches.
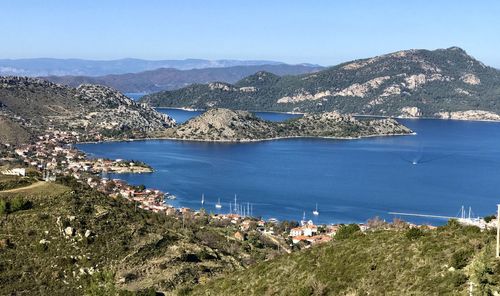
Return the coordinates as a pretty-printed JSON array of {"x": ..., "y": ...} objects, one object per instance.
[
  {"x": 315, "y": 212},
  {"x": 202, "y": 199},
  {"x": 218, "y": 205}
]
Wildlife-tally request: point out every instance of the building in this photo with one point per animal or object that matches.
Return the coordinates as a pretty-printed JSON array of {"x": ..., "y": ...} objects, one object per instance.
[
  {"x": 307, "y": 230},
  {"x": 15, "y": 172},
  {"x": 299, "y": 238}
]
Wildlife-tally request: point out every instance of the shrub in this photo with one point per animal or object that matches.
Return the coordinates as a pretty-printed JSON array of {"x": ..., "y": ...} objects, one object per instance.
[
  {"x": 414, "y": 233},
  {"x": 453, "y": 223},
  {"x": 460, "y": 259},
  {"x": 458, "y": 279},
  {"x": 3, "y": 207},
  {"x": 346, "y": 231},
  {"x": 101, "y": 283},
  {"x": 487, "y": 219},
  {"x": 18, "y": 204},
  {"x": 471, "y": 229}
]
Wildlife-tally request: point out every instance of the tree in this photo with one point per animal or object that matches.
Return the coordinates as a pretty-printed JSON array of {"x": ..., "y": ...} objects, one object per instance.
[
  {"x": 487, "y": 219},
  {"x": 346, "y": 231},
  {"x": 414, "y": 233}
]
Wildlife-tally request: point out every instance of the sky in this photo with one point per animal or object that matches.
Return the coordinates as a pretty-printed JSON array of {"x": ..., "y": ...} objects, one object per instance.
[{"x": 292, "y": 31}]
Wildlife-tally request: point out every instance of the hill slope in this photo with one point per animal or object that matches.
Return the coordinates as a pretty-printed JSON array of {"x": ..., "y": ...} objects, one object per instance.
[
  {"x": 438, "y": 262},
  {"x": 410, "y": 83},
  {"x": 228, "y": 125},
  {"x": 169, "y": 78},
  {"x": 67, "y": 239},
  {"x": 12, "y": 132},
  {"x": 39, "y": 105}
]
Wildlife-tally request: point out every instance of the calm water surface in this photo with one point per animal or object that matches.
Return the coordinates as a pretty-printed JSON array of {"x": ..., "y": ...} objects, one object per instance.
[{"x": 457, "y": 163}]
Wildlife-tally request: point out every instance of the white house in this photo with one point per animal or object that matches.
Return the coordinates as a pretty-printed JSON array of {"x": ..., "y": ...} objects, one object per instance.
[{"x": 15, "y": 172}]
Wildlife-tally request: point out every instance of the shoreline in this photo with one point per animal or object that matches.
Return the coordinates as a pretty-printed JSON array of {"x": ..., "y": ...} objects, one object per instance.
[
  {"x": 353, "y": 114},
  {"x": 248, "y": 140}
]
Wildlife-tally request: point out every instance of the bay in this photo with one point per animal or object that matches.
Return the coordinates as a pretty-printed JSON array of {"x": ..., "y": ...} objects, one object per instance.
[{"x": 446, "y": 165}]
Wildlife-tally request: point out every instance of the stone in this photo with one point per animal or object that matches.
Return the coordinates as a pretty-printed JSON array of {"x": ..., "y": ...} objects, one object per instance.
[{"x": 69, "y": 231}]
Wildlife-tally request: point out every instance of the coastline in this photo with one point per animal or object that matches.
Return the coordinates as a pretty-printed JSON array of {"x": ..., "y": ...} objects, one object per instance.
[{"x": 248, "y": 140}]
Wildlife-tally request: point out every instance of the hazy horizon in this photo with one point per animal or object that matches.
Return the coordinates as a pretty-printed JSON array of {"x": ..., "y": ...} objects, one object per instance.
[{"x": 320, "y": 32}]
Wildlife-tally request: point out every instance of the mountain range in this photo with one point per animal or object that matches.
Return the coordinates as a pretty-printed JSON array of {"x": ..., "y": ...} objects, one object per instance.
[
  {"x": 170, "y": 78},
  {"x": 61, "y": 67},
  {"x": 442, "y": 83}
]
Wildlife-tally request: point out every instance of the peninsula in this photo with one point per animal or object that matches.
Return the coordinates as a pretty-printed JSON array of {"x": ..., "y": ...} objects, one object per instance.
[{"x": 224, "y": 125}]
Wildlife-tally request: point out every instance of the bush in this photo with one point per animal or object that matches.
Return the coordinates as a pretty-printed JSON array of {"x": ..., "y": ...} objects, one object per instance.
[
  {"x": 487, "y": 219},
  {"x": 453, "y": 223},
  {"x": 346, "y": 231},
  {"x": 414, "y": 233},
  {"x": 458, "y": 278},
  {"x": 18, "y": 204},
  {"x": 3, "y": 207},
  {"x": 471, "y": 229},
  {"x": 101, "y": 283},
  {"x": 460, "y": 259}
]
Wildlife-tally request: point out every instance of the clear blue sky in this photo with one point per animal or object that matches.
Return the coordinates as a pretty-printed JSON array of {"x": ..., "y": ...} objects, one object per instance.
[{"x": 315, "y": 31}]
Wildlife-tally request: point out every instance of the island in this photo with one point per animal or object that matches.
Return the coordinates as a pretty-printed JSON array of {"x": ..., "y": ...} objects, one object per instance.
[{"x": 224, "y": 125}]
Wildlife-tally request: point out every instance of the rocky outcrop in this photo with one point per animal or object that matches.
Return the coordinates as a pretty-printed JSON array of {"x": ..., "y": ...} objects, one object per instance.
[
  {"x": 361, "y": 89},
  {"x": 470, "y": 79},
  {"x": 469, "y": 115},
  {"x": 410, "y": 112},
  {"x": 304, "y": 96},
  {"x": 232, "y": 126}
]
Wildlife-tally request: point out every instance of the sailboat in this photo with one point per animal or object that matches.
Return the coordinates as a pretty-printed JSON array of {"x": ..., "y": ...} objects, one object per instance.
[
  {"x": 218, "y": 204},
  {"x": 315, "y": 212},
  {"x": 202, "y": 199}
]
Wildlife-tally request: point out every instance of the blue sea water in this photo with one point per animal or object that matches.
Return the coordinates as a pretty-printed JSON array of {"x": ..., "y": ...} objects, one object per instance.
[{"x": 446, "y": 165}]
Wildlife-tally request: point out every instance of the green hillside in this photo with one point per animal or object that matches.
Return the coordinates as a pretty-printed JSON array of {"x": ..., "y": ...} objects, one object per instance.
[
  {"x": 67, "y": 239},
  {"x": 406, "y": 262}
]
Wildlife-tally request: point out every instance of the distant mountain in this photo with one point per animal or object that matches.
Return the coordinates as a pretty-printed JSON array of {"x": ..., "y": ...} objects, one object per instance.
[
  {"x": 169, "y": 78},
  {"x": 61, "y": 67},
  {"x": 33, "y": 106},
  {"x": 443, "y": 83}
]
